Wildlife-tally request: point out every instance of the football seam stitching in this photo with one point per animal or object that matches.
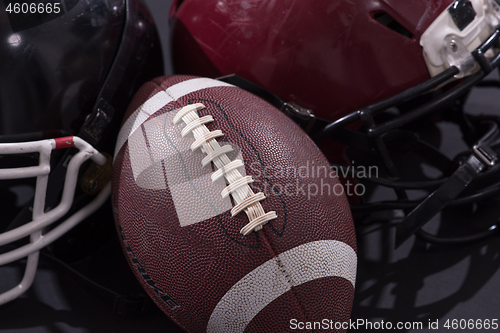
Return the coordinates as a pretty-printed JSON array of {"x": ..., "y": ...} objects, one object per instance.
[
  {"x": 264, "y": 171},
  {"x": 238, "y": 185},
  {"x": 277, "y": 258}
]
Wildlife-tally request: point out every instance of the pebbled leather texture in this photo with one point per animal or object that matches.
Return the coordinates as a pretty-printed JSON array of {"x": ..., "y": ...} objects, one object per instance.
[{"x": 187, "y": 250}]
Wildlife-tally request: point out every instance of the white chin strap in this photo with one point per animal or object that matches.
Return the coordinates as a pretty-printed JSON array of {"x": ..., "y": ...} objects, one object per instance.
[{"x": 43, "y": 219}]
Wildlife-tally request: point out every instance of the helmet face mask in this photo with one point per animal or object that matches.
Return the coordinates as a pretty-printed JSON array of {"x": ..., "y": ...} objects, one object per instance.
[
  {"x": 41, "y": 218},
  {"x": 66, "y": 83},
  {"x": 375, "y": 75}
]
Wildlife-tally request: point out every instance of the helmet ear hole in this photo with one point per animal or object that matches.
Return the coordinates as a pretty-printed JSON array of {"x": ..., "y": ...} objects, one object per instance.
[{"x": 391, "y": 23}]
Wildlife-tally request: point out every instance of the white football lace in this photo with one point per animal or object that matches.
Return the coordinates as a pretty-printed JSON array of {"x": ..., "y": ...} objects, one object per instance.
[{"x": 238, "y": 186}]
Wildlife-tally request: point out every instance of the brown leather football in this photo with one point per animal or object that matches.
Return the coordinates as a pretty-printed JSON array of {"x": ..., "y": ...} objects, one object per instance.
[{"x": 229, "y": 215}]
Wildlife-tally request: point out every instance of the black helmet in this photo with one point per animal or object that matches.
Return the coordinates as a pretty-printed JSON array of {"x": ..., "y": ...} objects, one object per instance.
[{"x": 68, "y": 71}]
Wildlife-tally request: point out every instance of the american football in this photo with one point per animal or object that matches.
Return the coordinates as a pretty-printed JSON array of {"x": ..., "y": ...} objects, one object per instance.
[{"x": 226, "y": 212}]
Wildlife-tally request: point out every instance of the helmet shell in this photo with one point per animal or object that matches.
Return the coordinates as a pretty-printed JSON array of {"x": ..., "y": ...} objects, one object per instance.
[{"x": 329, "y": 56}]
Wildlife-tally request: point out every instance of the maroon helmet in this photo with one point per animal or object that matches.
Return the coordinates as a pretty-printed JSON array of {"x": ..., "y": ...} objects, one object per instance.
[
  {"x": 329, "y": 56},
  {"x": 376, "y": 76}
]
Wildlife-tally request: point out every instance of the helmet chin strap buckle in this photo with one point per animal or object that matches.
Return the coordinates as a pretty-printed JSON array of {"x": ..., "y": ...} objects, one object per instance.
[
  {"x": 482, "y": 158},
  {"x": 485, "y": 154},
  {"x": 96, "y": 123}
]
